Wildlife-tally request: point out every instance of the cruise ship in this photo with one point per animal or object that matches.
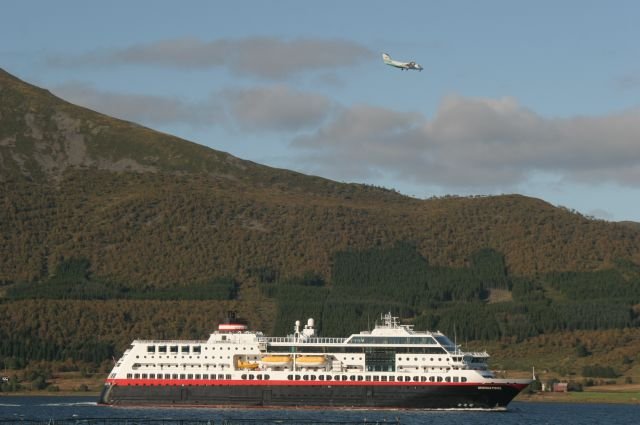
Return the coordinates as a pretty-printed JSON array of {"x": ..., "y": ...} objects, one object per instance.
[{"x": 391, "y": 366}]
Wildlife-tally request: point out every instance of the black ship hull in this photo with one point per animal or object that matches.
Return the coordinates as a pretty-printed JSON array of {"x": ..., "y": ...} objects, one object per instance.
[{"x": 478, "y": 396}]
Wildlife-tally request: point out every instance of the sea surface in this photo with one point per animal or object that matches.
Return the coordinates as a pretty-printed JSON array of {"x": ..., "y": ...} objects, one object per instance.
[{"x": 79, "y": 408}]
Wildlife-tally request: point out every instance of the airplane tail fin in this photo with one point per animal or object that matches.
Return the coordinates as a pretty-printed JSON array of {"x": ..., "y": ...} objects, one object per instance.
[{"x": 386, "y": 58}]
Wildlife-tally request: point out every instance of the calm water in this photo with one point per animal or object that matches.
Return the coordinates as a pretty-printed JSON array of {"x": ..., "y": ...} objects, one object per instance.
[{"x": 518, "y": 413}]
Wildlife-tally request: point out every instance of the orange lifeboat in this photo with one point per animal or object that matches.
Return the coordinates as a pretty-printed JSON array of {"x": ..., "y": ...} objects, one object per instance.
[
  {"x": 275, "y": 361},
  {"x": 241, "y": 364},
  {"x": 311, "y": 361}
]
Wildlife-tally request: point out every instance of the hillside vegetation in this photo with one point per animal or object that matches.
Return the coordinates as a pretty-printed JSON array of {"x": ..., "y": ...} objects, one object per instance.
[{"x": 131, "y": 233}]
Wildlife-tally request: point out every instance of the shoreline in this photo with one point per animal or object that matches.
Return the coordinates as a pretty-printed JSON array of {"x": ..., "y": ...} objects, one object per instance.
[{"x": 623, "y": 396}]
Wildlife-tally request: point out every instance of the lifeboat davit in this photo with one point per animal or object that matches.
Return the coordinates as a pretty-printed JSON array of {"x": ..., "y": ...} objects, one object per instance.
[
  {"x": 311, "y": 361},
  {"x": 271, "y": 361}
]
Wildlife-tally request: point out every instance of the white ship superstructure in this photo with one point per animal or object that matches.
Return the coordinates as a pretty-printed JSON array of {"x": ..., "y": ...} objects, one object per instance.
[{"x": 391, "y": 356}]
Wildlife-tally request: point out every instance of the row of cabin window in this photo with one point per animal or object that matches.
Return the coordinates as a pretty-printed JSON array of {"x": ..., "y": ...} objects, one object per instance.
[
  {"x": 182, "y": 357},
  {"x": 174, "y": 349},
  {"x": 161, "y": 365},
  {"x": 376, "y": 378},
  {"x": 196, "y": 349},
  {"x": 367, "y": 378},
  {"x": 319, "y": 349},
  {"x": 178, "y": 376},
  {"x": 391, "y": 340},
  {"x": 415, "y": 359}
]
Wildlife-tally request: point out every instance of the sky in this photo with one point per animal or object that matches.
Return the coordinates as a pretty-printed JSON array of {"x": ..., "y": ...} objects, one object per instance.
[{"x": 540, "y": 98}]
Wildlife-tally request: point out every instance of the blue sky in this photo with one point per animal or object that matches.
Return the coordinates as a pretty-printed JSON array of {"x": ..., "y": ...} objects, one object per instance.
[{"x": 538, "y": 98}]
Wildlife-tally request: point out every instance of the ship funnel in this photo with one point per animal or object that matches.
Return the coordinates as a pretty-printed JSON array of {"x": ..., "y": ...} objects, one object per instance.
[{"x": 310, "y": 323}]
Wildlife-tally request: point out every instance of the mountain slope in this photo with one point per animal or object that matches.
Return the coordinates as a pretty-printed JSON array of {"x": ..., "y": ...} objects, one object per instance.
[
  {"x": 42, "y": 136},
  {"x": 101, "y": 220},
  {"x": 148, "y": 208}
]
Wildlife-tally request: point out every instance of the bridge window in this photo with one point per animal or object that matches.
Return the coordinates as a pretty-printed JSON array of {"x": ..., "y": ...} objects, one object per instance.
[{"x": 151, "y": 348}]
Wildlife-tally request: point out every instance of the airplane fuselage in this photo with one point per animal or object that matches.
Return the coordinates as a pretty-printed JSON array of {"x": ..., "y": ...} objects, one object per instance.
[{"x": 400, "y": 65}]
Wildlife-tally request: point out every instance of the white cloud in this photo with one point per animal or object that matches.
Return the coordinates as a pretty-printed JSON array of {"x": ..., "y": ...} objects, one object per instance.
[
  {"x": 264, "y": 57},
  {"x": 275, "y": 108},
  {"x": 470, "y": 144},
  {"x": 477, "y": 143},
  {"x": 269, "y": 108},
  {"x": 146, "y": 109}
]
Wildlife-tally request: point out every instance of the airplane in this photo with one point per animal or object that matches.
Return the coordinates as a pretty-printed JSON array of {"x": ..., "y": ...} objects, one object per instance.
[{"x": 402, "y": 65}]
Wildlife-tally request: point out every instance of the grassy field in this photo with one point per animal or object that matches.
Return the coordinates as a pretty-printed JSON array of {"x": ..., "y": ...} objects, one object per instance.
[{"x": 622, "y": 393}]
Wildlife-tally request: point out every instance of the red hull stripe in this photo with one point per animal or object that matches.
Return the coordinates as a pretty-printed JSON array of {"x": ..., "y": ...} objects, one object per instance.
[{"x": 274, "y": 383}]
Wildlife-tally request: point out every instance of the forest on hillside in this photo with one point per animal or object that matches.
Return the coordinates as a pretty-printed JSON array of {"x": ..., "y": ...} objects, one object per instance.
[
  {"x": 161, "y": 230},
  {"x": 365, "y": 283}
]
